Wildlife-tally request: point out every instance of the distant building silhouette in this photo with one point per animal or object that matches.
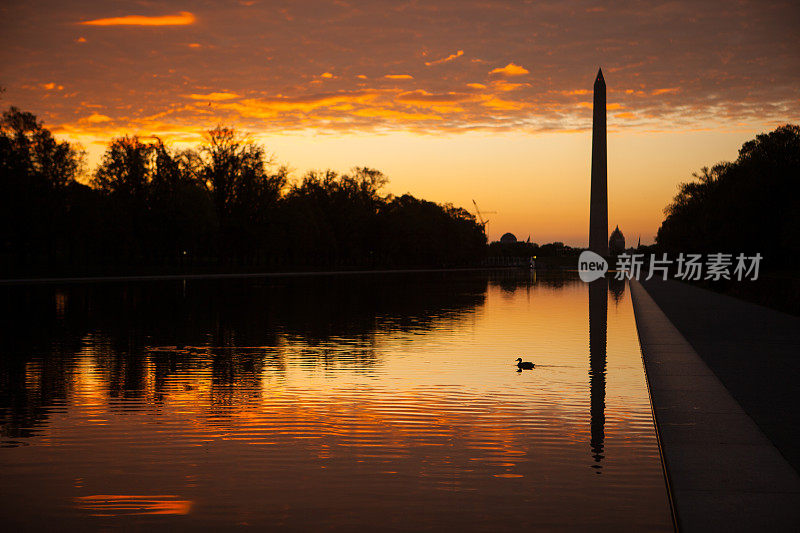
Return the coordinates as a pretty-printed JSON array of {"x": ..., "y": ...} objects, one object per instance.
[
  {"x": 616, "y": 243},
  {"x": 598, "y": 206},
  {"x": 508, "y": 238}
]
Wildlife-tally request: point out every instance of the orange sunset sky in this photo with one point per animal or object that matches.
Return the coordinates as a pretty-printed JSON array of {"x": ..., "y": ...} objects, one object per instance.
[{"x": 453, "y": 100}]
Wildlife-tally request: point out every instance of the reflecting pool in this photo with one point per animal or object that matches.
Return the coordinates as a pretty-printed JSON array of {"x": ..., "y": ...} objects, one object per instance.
[{"x": 339, "y": 402}]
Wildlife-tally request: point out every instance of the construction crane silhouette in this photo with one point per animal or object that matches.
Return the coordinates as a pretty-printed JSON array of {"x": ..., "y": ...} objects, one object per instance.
[{"x": 483, "y": 221}]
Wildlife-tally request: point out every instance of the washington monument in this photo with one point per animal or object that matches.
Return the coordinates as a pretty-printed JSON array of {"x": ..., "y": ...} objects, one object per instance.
[{"x": 598, "y": 205}]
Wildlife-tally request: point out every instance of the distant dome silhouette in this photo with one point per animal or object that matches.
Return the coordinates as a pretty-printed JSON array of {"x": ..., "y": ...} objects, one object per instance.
[
  {"x": 508, "y": 238},
  {"x": 616, "y": 243}
]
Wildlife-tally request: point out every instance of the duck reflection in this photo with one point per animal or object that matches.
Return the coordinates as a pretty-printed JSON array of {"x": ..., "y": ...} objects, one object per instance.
[{"x": 598, "y": 311}]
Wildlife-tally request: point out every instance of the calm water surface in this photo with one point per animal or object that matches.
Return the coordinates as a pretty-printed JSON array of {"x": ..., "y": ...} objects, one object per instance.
[{"x": 352, "y": 402}]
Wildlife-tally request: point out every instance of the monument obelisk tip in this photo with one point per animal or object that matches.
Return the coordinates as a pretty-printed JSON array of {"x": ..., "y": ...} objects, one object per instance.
[{"x": 598, "y": 208}]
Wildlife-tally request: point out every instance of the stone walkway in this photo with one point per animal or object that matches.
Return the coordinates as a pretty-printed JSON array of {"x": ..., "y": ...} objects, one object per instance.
[
  {"x": 753, "y": 350},
  {"x": 724, "y": 473}
]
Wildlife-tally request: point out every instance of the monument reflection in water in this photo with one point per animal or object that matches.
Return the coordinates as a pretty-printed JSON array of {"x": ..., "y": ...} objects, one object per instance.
[
  {"x": 598, "y": 319},
  {"x": 380, "y": 402}
]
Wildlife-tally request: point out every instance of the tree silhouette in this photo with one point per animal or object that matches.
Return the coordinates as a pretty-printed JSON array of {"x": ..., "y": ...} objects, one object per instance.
[
  {"x": 222, "y": 205},
  {"x": 37, "y": 182},
  {"x": 751, "y": 205},
  {"x": 31, "y": 157},
  {"x": 235, "y": 171},
  {"x": 126, "y": 169},
  {"x": 334, "y": 217}
]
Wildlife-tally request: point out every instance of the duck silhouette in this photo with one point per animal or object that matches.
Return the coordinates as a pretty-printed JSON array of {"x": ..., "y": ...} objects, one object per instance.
[{"x": 527, "y": 365}]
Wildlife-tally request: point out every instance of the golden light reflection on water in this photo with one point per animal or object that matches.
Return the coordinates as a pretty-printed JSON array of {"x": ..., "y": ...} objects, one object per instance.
[
  {"x": 397, "y": 417},
  {"x": 119, "y": 505}
]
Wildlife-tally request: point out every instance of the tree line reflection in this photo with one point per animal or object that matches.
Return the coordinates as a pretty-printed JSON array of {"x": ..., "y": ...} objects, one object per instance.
[
  {"x": 139, "y": 336},
  {"x": 141, "y": 332}
]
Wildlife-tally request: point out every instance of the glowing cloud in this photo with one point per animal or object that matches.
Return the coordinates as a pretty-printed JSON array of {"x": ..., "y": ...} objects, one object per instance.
[
  {"x": 273, "y": 107},
  {"x": 184, "y": 18},
  {"x": 96, "y": 118},
  {"x": 510, "y": 70},
  {"x": 669, "y": 90},
  {"x": 499, "y": 104},
  {"x": 215, "y": 97},
  {"x": 420, "y": 96},
  {"x": 260, "y": 85},
  {"x": 440, "y": 103},
  {"x": 382, "y": 112},
  {"x": 445, "y": 59},
  {"x": 505, "y": 86}
]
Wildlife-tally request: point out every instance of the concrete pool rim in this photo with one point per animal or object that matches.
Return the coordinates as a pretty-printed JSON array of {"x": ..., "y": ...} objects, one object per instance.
[{"x": 721, "y": 470}]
